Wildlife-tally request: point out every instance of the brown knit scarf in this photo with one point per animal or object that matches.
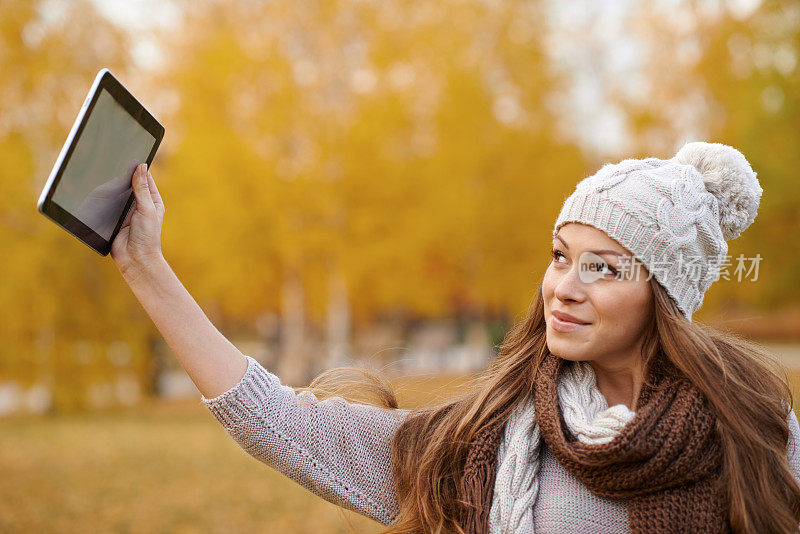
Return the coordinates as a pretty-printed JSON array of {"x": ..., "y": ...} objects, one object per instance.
[{"x": 666, "y": 461}]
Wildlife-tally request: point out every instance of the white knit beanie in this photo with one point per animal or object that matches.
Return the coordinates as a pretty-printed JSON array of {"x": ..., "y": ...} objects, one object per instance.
[{"x": 673, "y": 215}]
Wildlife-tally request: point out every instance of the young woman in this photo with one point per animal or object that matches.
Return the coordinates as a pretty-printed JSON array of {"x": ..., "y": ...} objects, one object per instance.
[{"x": 606, "y": 410}]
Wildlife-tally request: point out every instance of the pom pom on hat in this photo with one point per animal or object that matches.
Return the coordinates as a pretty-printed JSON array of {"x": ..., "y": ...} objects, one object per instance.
[{"x": 730, "y": 178}]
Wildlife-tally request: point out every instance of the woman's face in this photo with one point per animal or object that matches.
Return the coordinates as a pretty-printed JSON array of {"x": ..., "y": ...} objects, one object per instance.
[{"x": 598, "y": 282}]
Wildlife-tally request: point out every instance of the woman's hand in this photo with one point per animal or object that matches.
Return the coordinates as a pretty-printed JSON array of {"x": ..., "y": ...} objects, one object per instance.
[{"x": 138, "y": 243}]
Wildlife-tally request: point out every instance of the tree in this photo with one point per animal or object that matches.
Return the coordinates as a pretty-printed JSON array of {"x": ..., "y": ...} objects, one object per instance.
[
  {"x": 62, "y": 305},
  {"x": 405, "y": 152},
  {"x": 732, "y": 77}
]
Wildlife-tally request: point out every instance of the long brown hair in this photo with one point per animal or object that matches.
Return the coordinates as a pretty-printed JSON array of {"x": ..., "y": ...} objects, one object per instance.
[{"x": 746, "y": 386}]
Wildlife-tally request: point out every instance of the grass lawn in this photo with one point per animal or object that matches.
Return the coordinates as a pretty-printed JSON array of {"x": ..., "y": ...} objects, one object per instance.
[{"x": 161, "y": 467}]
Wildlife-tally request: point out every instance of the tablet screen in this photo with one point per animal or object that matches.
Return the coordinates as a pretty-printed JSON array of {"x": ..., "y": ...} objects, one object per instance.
[{"x": 96, "y": 182}]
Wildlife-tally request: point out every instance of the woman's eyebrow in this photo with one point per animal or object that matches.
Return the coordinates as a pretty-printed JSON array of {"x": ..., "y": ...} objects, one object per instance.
[{"x": 603, "y": 251}]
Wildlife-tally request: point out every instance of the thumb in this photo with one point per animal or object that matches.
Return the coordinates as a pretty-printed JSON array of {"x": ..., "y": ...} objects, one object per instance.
[{"x": 141, "y": 190}]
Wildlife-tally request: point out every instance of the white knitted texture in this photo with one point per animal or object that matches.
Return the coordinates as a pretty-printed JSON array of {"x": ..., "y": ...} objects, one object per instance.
[
  {"x": 588, "y": 417},
  {"x": 516, "y": 483}
]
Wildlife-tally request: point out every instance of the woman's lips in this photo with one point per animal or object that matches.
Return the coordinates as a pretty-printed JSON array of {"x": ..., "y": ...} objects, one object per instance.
[{"x": 564, "y": 326}]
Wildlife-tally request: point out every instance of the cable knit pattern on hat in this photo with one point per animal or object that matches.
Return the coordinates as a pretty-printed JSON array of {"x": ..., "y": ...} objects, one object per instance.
[
  {"x": 588, "y": 417},
  {"x": 673, "y": 215}
]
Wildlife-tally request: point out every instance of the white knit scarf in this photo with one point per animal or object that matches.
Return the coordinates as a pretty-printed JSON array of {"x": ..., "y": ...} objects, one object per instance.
[{"x": 587, "y": 416}]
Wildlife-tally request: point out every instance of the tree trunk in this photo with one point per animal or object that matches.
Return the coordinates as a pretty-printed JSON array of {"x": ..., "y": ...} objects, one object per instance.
[
  {"x": 293, "y": 357},
  {"x": 338, "y": 324}
]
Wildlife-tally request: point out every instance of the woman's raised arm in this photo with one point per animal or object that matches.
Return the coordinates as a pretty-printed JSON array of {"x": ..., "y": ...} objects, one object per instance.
[
  {"x": 338, "y": 450},
  {"x": 212, "y": 362}
]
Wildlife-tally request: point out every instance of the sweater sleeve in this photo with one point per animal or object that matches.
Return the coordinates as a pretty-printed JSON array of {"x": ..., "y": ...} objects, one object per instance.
[{"x": 338, "y": 450}]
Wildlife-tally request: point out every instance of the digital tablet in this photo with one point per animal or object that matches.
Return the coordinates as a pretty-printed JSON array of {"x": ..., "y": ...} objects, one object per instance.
[{"x": 89, "y": 190}]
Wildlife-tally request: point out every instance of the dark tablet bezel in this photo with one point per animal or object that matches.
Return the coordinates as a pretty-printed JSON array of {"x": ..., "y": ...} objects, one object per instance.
[{"x": 48, "y": 207}]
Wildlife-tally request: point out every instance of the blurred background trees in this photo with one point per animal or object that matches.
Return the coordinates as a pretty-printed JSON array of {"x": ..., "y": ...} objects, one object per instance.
[
  {"x": 731, "y": 75},
  {"x": 66, "y": 326},
  {"x": 333, "y": 165}
]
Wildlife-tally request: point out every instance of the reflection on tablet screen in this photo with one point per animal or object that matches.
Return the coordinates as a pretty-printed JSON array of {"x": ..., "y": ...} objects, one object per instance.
[{"x": 96, "y": 181}]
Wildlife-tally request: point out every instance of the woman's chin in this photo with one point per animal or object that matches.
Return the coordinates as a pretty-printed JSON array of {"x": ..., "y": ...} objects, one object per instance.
[{"x": 568, "y": 349}]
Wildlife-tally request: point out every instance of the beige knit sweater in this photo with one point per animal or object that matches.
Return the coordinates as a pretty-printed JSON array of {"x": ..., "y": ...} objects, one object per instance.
[{"x": 340, "y": 451}]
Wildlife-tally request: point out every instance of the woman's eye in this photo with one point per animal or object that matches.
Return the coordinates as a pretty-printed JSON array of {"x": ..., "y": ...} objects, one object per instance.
[
  {"x": 607, "y": 269},
  {"x": 556, "y": 254}
]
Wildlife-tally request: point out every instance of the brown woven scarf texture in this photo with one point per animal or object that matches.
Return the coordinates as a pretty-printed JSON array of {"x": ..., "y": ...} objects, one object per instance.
[{"x": 666, "y": 461}]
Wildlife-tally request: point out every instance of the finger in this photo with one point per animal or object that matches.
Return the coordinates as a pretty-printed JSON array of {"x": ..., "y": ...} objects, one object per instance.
[
  {"x": 141, "y": 190},
  {"x": 154, "y": 191}
]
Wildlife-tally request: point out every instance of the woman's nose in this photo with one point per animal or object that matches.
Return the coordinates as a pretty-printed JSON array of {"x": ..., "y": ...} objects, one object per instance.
[{"x": 570, "y": 287}]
